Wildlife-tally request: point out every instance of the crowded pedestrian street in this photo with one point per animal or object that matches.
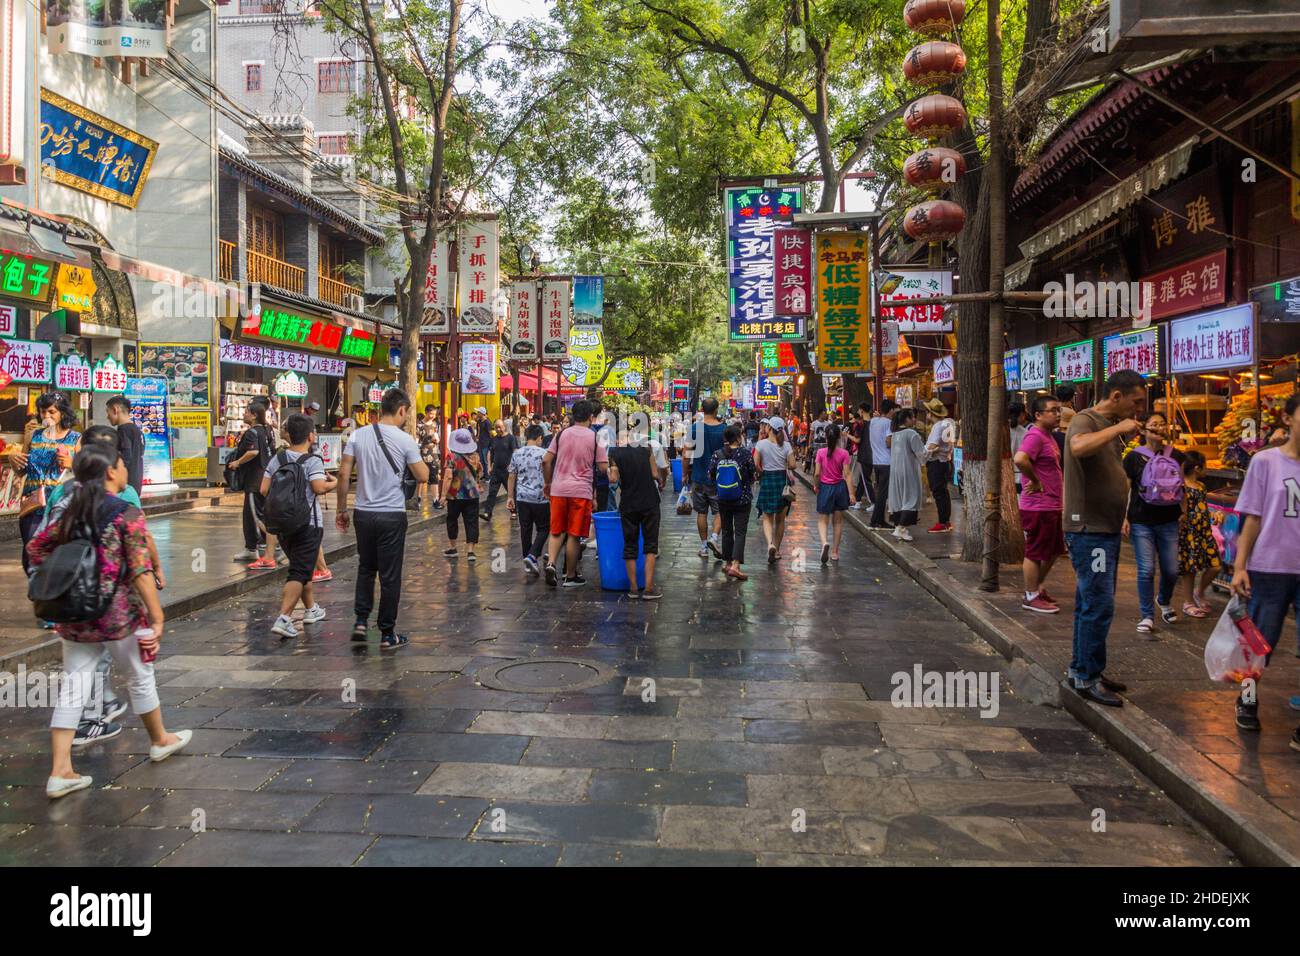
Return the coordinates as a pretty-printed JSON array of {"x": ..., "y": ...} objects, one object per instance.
[{"x": 731, "y": 723}]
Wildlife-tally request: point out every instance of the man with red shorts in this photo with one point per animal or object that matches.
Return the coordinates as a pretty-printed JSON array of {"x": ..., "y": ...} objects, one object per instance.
[
  {"x": 1039, "y": 461},
  {"x": 569, "y": 469}
]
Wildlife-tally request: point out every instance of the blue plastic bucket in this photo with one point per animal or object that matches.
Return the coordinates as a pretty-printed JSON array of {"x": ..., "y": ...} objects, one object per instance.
[
  {"x": 677, "y": 475},
  {"x": 609, "y": 553}
]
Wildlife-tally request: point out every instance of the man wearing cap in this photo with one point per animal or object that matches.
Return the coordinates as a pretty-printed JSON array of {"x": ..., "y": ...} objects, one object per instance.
[{"x": 938, "y": 463}]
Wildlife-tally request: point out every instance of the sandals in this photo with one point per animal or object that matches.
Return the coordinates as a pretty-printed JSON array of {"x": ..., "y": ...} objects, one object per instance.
[{"x": 1194, "y": 610}]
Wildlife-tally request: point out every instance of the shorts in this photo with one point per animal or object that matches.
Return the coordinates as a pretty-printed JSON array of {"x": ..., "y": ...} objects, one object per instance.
[
  {"x": 301, "y": 548},
  {"x": 642, "y": 524},
  {"x": 832, "y": 498},
  {"x": 570, "y": 516},
  {"x": 1044, "y": 539},
  {"x": 704, "y": 498}
]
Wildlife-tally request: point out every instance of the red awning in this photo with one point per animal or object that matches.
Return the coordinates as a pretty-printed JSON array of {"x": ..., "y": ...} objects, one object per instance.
[{"x": 528, "y": 381}]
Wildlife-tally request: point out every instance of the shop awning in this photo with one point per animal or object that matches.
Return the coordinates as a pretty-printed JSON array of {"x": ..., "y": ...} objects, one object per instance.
[{"x": 528, "y": 381}]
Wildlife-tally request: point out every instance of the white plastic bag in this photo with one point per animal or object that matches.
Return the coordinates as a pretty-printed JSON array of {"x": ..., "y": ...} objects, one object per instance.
[
  {"x": 1230, "y": 655},
  {"x": 684, "y": 502}
]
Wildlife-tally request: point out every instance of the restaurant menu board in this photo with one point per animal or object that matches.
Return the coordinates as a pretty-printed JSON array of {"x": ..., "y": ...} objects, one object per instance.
[
  {"x": 148, "y": 398},
  {"x": 189, "y": 436},
  {"x": 478, "y": 368},
  {"x": 187, "y": 367}
]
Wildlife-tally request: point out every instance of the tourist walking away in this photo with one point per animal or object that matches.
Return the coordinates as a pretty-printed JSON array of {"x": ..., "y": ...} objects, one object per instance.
[
  {"x": 1039, "y": 462},
  {"x": 774, "y": 460},
  {"x": 906, "y": 457},
  {"x": 482, "y": 435},
  {"x": 130, "y": 441},
  {"x": 834, "y": 497},
  {"x": 378, "y": 453},
  {"x": 703, "y": 442},
  {"x": 460, "y": 490},
  {"x": 293, "y": 481},
  {"x": 1155, "y": 510},
  {"x": 244, "y": 473},
  {"x": 500, "y": 452},
  {"x": 878, "y": 430},
  {"x": 817, "y": 432},
  {"x": 732, "y": 475},
  {"x": 1267, "y": 567},
  {"x": 121, "y": 611},
  {"x": 428, "y": 433},
  {"x": 1198, "y": 552},
  {"x": 526, "y": 498},
  {"x": 938, "y": 462},
  {"x": 569, "y": 469},
  {"x": 605, "y": 435},
  {"x": 751, "y": 430},
  {"x": 42, "y": 461},
  {"x": 1096, "y": 500},
  {"x": 864, "y": 455},
  {"x": 640, "y": 477}
]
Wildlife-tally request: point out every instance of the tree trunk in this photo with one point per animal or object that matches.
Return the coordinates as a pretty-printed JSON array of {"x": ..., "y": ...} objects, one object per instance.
[
  {"x": 997, "y": 206},
  {"x": 408, "y": 373}
]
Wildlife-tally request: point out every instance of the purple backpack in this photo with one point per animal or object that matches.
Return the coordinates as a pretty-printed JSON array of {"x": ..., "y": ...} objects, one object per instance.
[{"x": 1162, "y": 478}]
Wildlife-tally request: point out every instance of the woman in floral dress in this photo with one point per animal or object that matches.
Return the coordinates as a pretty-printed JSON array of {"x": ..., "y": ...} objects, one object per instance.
[
  {"x": 1198, "y": 553},
  {"x": 427, "y": 431}
]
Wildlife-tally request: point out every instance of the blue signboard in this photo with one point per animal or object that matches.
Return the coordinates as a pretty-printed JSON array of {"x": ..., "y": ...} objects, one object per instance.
[
  {"x": 148, "y": 398},
  {"x": 88, "y": 152},
  {"x": 751, "y": 216},
  {"x": 588, "y": 300},
  {"x": 1011, "y": 369}
]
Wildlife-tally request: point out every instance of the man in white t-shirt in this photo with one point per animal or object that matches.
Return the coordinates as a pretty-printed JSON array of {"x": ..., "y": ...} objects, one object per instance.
[
  {"x": 938, "y": 464},
  {"x": 379, "y": 452}
]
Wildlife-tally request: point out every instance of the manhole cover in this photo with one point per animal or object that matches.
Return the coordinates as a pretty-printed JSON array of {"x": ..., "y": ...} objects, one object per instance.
[{"x": 543, "y": 675}]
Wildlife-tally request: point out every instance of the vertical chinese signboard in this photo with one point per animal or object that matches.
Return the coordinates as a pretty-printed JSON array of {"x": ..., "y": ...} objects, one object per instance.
[
  {"x": 752, "y": 216},
  {"x": 478, "y": 279},
  {"x": 1033, "y": 367},
  {"x": 437, "y": 291},
  {"x": 897, "y": 286},
  {"x": 1213, "y": 340},
  {"x": 1139, "y": 351},
  {"x": 793, "y": 260},
  {"x": 843, "y": 339},
  {"x": 1011, "y": 369},
  {"x": 523, "y": 322},
  {"x": 555, "y": 320}
]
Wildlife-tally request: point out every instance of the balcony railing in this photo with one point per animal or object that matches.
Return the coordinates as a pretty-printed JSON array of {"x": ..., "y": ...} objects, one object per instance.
[
  {"x": 276, "y": 272},
  {"x": 227, "y": 251},
  {"x": 339, "y": 293}
]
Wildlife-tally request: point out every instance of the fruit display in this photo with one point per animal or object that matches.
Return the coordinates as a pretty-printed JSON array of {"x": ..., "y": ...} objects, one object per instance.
[{"x": 1235, "y": 448}]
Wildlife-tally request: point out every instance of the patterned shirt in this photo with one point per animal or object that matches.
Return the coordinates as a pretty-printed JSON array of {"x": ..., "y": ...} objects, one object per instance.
[
  {"x": 43, "y": 469},
  {"x": 526, "y": 466},
  {"x": 124, "y": 539},
  {"x": 464, "y": 479}
]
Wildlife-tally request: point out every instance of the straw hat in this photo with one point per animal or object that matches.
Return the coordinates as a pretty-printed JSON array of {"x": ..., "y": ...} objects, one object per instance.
[
  {"x": 462, "y": 442},
  {"x": 936, "y": 407}
]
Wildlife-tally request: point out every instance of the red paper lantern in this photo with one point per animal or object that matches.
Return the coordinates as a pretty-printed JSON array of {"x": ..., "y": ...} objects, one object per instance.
[
  {"x": 935, "y": 116},
  {"x": 934, "y": 168},
  {"x": 934, "y": 221},
  {"x": 934, "y": 17},
  {"x": 934, "y": 63}
]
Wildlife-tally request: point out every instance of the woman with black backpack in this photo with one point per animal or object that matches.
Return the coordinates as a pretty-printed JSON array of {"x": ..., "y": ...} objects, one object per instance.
[
  {"x": 732, "y": 472},
  {"x": 245, "y": 467},
  {"x": 121, "y": 609}
]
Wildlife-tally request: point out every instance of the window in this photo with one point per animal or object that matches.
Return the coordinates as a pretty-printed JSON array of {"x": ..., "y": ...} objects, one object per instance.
[
  {"x": 334, "y": 144},
  {"x": 332, "y": 258},
  {"x": 265, "y": 232},
  {"x": 335, "y": 76},
  {"x": 252, "y": 77},
  {"x": 260, "y": 6}
]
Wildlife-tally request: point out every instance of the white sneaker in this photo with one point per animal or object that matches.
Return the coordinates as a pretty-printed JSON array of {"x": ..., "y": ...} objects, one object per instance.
[
  {"x": 57, "y": 787},
  {"x": 313, "y": 614},
  {"x": 284, "y": 627},
  {"x": 246, "y": 555},
  {"x": 905, "y": 535},
  {"x": 898, "y": 531},
  {"x": 704, "y": 551},
  {"x": 159, "y": 754}
]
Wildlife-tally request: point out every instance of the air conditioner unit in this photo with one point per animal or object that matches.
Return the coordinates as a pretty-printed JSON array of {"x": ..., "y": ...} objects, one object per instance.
[{"x": 357, "y": 303}]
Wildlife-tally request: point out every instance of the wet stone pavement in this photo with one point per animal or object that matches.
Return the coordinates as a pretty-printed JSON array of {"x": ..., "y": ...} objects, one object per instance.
[{"x": 770, "y": 738}]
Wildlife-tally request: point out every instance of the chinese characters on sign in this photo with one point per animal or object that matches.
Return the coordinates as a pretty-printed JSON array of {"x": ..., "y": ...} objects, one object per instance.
[
  {"x": 1074, "y": 361},
  {"x": 22, "y": 277},
  {"x": 777, "y": 358},
  {"x": 586, "y": 362},
  {"x": 1011, "y": 369},
  {"x": 752, "y": 216},
  {"x": 75, "y": 288},
  {"x": 288, "y": 328},
  {"x": 358, "y": 345},
  {"x": 28, "y": 361},
  {"x": 72, "y": 373},
  {"x": 109, "y": 375},
  {"x": 478, "y": 279},
  {"x": 335, "y": 368},
  {"x": 1212, "y": 340},
  {"x": 8, "y": 321},
  {"x": 945, "y": 369},
  {"x": 523, "y": 321},
  {"x": 1188, "y": 287},
  {"x": 88, "y": 152},
  {"x": 1139, "y": 351},
  {"x": 899, "y": 286},
  {"x": 435, "y": 280},
  {"x": 1033, "y": 367},
  {"x": 793, "y": 257},
  {"x": 555, "y": 320},
  {"x": 478, "y": 368},
  {"x": 1184, "y": 220},
  {"x": 289, "y": 385},
  {"x": 843, "y": 342},
  {"x": 148, "y": 398},
  {"x": 109, "y": 29}
]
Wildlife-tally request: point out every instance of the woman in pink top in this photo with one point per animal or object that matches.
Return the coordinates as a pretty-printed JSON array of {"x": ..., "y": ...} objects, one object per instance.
[{"x": 834, "y": 496}]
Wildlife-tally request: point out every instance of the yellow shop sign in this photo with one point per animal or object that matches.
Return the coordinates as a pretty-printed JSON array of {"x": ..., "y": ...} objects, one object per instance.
[{"x": 74, "y": 289}]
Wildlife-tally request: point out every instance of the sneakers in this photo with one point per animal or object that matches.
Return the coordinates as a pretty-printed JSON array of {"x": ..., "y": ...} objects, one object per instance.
[
  {"x": 715, "y": 546},
  {"x": 284, "y": 627},
  {"x": 314, "y": 615},
  {"x": 57, "y": 787},
  {"x": 576, "y": 581},
  {"x": 632, "y": 594},
  {"x": 262, "y": 564},
  {"x": 531, "y": 566},
  {"x": 1167, "y": 614},
  {"x": 471, "y": 557},
  {"x": 1248, "y": 715},
  {"x": 450, "y": 552},
  {"x": 704, "y": 551},
  {"x": 902, "y": 534},
  {"x": 318, "y": 576},
  {"x": 159, "y": 754},
  {"x": 391, "y": 642},
  {"x": 1040, "y": 604},
  {"x": 552, "y": 576},
  {"x": 94, "y": 731},
  {"x": 940, "y": 527},
  {"x": 360, "y": 631},
  {"x": 246, "y": 555},
  {"x": 652, "y": 593}
]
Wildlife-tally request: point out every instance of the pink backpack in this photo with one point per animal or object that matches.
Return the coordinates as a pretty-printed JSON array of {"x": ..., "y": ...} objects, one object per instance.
[{"x": 1162, "y": 478}]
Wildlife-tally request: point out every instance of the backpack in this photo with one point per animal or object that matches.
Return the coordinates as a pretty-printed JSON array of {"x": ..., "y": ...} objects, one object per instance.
[
  {"x": 65, "y": 588},
  {"x": 729, "y": 477},
  {"x": 288, "y": 509},
  {"x": 1162, "y": 478}
]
